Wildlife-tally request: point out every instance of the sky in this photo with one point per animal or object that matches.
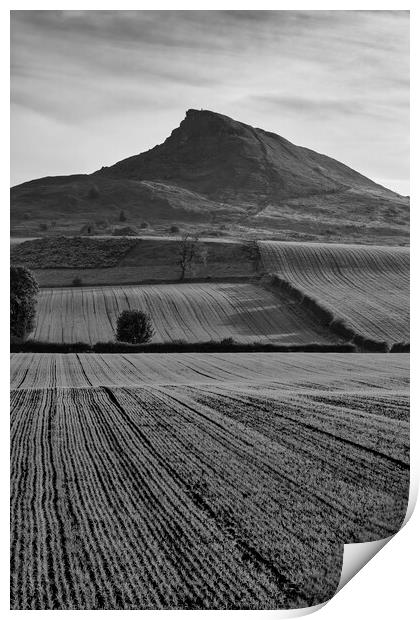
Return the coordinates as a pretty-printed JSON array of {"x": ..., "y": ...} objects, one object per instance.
[{"x": 89, "y": 88}]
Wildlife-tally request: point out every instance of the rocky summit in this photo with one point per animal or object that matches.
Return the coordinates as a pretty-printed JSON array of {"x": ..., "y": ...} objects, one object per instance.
[{"x": 221, "y": 174}]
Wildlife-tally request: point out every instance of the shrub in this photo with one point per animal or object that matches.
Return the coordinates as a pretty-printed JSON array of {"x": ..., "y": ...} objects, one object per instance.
[
  {"x": 43, "y": 226},
  {"x": 368, "y": 344},
  {"x": 77, "y": 281},
  {"x": 174, "y": 229},
  {"x": 23, "y": 292},
  {"x": 144, "y": 225},
  {"x": 125, "y": 231},
  {"x": 227, "y": 342},
  {"x": 400, "y": 347},
  {"x": 134, "y": 326},
  {"x": 122, "y": 217}
]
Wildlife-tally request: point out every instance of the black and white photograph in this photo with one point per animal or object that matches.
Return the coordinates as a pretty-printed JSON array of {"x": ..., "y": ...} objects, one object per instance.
[{"x": 209, "y": 304}]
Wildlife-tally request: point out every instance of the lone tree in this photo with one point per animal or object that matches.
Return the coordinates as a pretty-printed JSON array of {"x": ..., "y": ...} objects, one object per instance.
[
  {"x": 253, "y": 254},
  {"x": 134, "y": 326},
  {"x": 23, "y": 292},
  {"x": 190, "y": 253}
]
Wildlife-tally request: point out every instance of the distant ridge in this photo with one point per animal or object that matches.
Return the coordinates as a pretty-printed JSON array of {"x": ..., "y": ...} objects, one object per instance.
[{"x": 213, "y": 170}]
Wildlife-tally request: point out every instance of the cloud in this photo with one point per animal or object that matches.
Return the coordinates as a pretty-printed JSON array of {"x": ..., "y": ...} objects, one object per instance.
[
  {"x": 329, "y": 108},
  {"x": 309, "y": 75},
  {"x": 335, "y": 110}
]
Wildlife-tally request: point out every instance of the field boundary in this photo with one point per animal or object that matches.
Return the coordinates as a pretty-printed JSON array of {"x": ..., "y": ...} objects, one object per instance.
[
  {"x": 329, "y": 320},
  {"x": 203, "y": 280},
  {"x": 227, "y": 345}
]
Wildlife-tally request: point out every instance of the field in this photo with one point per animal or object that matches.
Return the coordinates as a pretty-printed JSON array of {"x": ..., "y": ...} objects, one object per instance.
[
  {"x": 367, "y": 286},
  {"x": 200, "y": 481},
  {"x": 192, "y": 312},
  {"x": 206, "y": 481},
  {"x": 119, "y": 260},
  {"x": 364, "y": 288},
  {"x": 71, "y": 252}
]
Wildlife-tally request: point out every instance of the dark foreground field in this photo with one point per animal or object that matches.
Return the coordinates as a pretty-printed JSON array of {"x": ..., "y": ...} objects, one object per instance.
[{"x": 200, "y": 481}]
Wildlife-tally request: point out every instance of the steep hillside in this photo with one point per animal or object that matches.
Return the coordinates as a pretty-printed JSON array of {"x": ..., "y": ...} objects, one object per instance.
[
  {"x": 213, "y": 170},
  {"x": 229, "y": 161}
]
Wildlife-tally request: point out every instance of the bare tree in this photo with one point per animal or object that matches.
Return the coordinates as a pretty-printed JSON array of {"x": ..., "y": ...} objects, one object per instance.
[
  {"x": 253, "y": 254},
  {"x": 190, "y": 253}
]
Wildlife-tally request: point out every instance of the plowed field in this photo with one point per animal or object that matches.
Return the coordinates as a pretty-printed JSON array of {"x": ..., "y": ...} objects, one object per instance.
[
  {"x": 200, "y": 481},
  {"x": 191, "y": 312},
  {"x": 367, "y": 286},
  {"x": 291, "y": 371}
]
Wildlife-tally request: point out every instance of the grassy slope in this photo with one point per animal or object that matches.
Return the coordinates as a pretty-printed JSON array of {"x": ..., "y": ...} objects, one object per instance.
[{"x": 213, "y": 170}]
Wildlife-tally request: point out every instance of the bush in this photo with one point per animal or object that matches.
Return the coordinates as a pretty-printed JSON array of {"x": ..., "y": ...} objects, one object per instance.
[
  {"x": 122, "y": 217},
  {"x": 125, "y": 231},
  {"x": 227, "y": 342},
  {"x": 400, "y": 347},
  {"x": 144, "y": 225},
  {"x": 77, "y": 282},
  {"x": 134, "y": 326},
  {"x": 174, "y": 229},
  {"x": 23, "y": 292}
]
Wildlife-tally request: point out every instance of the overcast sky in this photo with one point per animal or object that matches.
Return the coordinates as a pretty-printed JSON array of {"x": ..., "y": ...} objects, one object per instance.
[{"x": 90, "y": 88}]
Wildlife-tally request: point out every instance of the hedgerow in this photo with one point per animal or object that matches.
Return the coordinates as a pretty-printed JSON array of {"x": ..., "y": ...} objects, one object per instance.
[{"x": 71, "y": 252}]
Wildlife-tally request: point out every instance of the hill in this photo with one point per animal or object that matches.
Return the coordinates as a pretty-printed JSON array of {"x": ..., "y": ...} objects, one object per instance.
[{"x": 216, "y": 172}]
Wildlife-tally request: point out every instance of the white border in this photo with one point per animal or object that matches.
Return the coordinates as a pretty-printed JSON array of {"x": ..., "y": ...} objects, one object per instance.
[{"x": 387, "y": 586}]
